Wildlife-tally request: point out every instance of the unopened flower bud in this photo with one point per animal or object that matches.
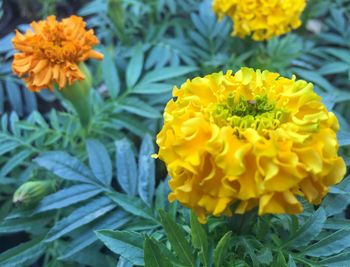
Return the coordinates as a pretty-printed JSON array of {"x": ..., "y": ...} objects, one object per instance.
[{"x": 32, "y": 192}]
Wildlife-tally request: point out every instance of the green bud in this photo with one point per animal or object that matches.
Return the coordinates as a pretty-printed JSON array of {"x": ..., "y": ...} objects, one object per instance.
[{"x": 32, "y": 192}]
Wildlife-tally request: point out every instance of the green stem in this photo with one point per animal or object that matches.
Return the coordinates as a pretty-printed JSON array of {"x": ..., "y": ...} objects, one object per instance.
[{"x": 78, "y": 94}]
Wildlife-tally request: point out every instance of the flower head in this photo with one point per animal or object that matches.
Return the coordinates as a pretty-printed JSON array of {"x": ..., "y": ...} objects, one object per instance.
[
  {"x": 252, "y": 138},
  {"x": 50, "y": 53},
  {"x": 263, "y": 19}
]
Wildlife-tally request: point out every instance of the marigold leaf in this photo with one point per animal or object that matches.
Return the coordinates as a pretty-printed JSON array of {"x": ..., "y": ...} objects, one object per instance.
[
  {"x": 99, "y": 161},
  {"x": 86, "y": 236},
  {"x": 199, "y": 239},
  {"x": 65, "y": 166},
  {"x": 25, "y": 253},
  {"x": 126, "y": 243},
  {"x": 133, "y": 205},
  {"x": 110, "y": 74},
  {"x": 309, "y": 230},
  {"x": 160, "y": 75},
  {"x": 147, "y": 171},
  {"x": 139, "y": 107},
  {"x": 177, "y": 239},
  {"x": 79, "y": 217},
  {"x": 134, "y": 68},
  {"x": 221, "y": 249},
  {"x": 126, "y": 166},
  {"x": 67, "y": 196},
  {"x": 153, "y": 255},
  {"x": 329, "y": 245}
]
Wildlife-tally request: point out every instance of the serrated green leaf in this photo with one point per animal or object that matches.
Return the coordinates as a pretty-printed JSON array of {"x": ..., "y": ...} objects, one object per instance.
[
  {"x": 247, "y": 244},
  {"x": 65, "y": 166},
  {"x": 340, "y": 260},
  {"x": 79, "y": 217},
  {"x": 126, "y": 243},
  {"x": 86, "y": 236},
  {"x": 280, "y": 261},
  {"x": 221, "y": 249},
  {"x": 13, "y": 162},
  {"x": 161, "y": 195},
  {"x": 330, "y": 245},
  {"x": 177, "y": 239},
  {"x": 23, "y": 224},
  {"x": 146, "y": 179},
  {"x": 14, "y": 96},
  {"x": 67, "y": 196},
  {"x": 199, "y": 239},
  {"x": 265, "y": 256},
  {"x": 133, "y": 205},
  {"x": 291, "y": 262},
  {"x": 126, "y": 166},
  {"x": 153, "y": 256},
  {"x": 309, "y": 230},
  {"x": 99, "y": 161},
  {"x": 25, "y": 253},
  {"x": 160, "y": 75},
  {"x": 139, "y": 107},
  {"x": 334, "y": 67},
  {"x": 124, "y": 263},
  {"x": 8, "y": 146},
  {"x": 132, "y": 124},
  {"x": 342, "y": 54},
  {"x": 152, "y": 88},
  {"x": 134, "y": 68},
  {"x": 110, "y": 75}
]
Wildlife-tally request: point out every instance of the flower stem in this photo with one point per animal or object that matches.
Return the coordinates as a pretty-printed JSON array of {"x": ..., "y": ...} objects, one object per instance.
[{"x": 78, "y": 94}]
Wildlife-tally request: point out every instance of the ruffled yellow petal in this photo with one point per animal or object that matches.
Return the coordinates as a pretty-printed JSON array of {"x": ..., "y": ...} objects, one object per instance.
[
  {"x": 261, "y": 19},
  {"x": 251, "y": 138}
]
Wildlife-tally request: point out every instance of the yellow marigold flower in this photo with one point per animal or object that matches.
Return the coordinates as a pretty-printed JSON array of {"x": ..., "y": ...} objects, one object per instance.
[
  {"x": 252, "y": 138},
  {"x": 263, "y": 19},
  {"x": 50, "y": 54}
]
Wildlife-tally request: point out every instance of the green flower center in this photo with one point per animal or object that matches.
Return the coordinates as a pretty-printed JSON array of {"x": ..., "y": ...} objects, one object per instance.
[{"x": 258, "y": 113}]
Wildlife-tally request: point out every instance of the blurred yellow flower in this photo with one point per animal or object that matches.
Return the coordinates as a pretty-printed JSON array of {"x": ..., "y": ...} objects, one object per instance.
[
  {"x": 51, "y": 51},
  {"x": 252, "y": 138},
  {"x": 262, "y": 19}
]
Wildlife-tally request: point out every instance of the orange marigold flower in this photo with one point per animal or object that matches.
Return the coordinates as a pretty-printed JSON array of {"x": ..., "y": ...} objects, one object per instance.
[
  {"x": 50, "y": 53},
  {"x": 252, "y": 138}
]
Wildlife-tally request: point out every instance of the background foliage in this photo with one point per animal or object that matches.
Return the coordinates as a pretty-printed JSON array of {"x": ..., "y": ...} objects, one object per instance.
[{"x": 108, "y": 189}]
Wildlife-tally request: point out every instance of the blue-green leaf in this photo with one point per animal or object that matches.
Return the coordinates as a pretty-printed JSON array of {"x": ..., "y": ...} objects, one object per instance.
[
  {"x": 126, "y": 243},
  {"x": 132, "y": 205},
  {"x": 14, "y": 95},
  {"x": 134, "y": 68},
  {"x": 309, "y": 230},
  {"x": 160, "y": 75},
  {"x": 86, "y": 237},
  {"x": 221, "y": 249},
  {"x": 99, "y": 161},
  {"x": 147, "y": 169},
  {"x": 199, "y": 239},
  {"x": 330, "y": 244},
  {"x": 67, "y": 197},
  {"x": 126, "y": 166},
  {"x": 110, "y": 75},
  {"x": 177, "y": 239},
  {"x": 139, "y": 107},
  {"x": 65, "y": 166},
  {"x": 79, "y": 217},
  {"x": 23, "y": 254},
  {"x": 153, "y": 255}
]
